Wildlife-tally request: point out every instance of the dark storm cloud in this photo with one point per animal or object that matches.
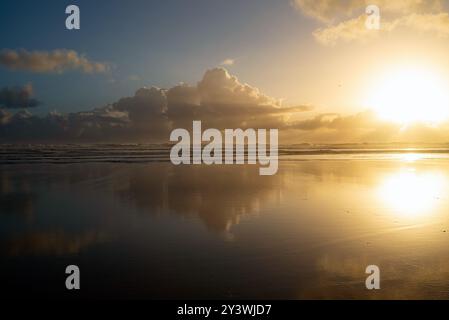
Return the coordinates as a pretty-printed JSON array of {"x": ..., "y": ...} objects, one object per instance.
[{"x": 17, "y": 97}]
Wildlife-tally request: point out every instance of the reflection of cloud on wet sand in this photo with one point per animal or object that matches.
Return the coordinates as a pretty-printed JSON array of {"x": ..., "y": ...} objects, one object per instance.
[
  {"x": 20, "y": 203},
  {"x": 219, "y": 196},
  {"x": 51, "y": 242},
  {"x": 32, "y": 221},
  {"x": 16, "y": 198}
]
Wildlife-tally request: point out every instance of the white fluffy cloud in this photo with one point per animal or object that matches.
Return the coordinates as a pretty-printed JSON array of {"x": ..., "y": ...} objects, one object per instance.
[{"x": 219, "y": 87}]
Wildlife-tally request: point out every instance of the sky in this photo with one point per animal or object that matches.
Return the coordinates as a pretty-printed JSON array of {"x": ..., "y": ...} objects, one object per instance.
[
  {"x": 315, "y": 60},
  {"x": 157, "y": 43}
]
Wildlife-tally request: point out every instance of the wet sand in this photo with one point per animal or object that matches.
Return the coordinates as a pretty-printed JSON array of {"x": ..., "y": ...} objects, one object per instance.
[{"x": 154, "y": 230}]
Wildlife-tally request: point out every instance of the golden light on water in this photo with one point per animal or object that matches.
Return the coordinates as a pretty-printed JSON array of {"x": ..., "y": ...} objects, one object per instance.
[
  {"x": 411, "y": 157},
  {"x": 411, "y": 194}
]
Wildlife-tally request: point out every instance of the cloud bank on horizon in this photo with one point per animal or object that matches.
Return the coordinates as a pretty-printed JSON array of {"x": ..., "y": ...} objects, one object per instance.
[
  {"x": 220, "y": 101},
  {"x": 344, "y": 21}
]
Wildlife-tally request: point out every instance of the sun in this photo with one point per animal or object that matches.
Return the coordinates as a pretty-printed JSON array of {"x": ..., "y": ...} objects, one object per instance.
[{"x": 410, "y": 94}]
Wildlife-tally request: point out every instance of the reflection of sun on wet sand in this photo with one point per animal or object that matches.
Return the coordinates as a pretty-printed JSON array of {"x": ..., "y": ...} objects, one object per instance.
[
  {"x": 307, "y": 232},
  {"x": 411, "y": 194}
]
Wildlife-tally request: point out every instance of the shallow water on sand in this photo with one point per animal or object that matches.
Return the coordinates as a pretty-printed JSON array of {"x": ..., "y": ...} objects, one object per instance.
[{"x": 154, "y": 230}]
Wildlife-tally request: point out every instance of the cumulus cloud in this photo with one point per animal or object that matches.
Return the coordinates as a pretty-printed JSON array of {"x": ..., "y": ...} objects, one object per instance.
[
  {"x": 56, "y": 61},
  {"x": 219, "y": 100},
  {"x": 219, "y": 87},
  {"x": 18, "y": 97},
  {"x": 345, "y": 20}
]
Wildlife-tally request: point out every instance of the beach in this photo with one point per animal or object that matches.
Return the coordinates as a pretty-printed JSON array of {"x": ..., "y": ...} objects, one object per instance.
[{"x": 140, "y": 227}]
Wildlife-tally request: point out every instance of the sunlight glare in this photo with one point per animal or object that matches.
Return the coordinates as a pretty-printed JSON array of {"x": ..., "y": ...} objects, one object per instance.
[
  {"x": 412, "y": 194},
  {"x": 411, "y": 95}
]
